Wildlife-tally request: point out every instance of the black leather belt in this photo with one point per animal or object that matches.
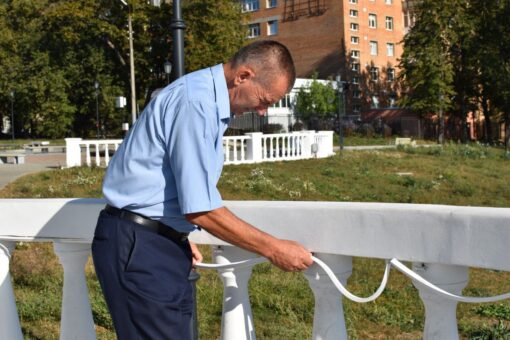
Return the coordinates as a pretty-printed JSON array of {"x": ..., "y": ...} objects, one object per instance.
[{"x": 155, "y": 226}]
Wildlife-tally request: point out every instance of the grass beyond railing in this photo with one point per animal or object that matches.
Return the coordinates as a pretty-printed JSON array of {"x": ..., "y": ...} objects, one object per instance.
[{"x": 282, "y": 303}]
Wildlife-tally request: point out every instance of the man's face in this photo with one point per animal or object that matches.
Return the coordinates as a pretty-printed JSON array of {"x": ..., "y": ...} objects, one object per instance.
[{"x": 250, "y": 95}]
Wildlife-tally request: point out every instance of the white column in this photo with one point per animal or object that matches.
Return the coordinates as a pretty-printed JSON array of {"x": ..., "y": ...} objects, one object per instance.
[
  {"x": 9, "y": 321},
  {"x": 254, "y": 147},
  {"x": 237, "y": 320},
  {"x": 328, "y": 318},
  {"x": 325, "y": 144},
  {"x": 440, "y": 313},
  {"x": 308, "y": 140},
  {"x": 73, "y": 152},
  {"x": 76, "y": 320}
]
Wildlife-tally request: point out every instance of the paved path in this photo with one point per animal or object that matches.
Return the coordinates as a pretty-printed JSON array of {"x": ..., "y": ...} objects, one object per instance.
[{"x": 33, "y": 163}]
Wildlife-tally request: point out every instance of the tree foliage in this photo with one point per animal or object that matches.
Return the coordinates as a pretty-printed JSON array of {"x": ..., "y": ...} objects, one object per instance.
[
  {"x": 53, "y": 51},
  {"x": 456, "y": 59},
  {"x": 318, "y": 100}
]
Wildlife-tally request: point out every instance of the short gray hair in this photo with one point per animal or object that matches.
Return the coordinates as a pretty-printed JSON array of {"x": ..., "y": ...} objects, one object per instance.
[{"x": 269, "y": 58}]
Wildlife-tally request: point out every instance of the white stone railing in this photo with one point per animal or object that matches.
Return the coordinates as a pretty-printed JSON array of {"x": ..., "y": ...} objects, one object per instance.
[
  {"x": 79, "y": 150},
  {"x": 250, "y": 148},
  {"x": 441, "y": 241}
]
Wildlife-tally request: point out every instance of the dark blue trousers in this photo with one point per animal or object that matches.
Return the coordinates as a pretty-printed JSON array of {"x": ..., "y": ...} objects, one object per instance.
[{"x": 144, "y": 278}]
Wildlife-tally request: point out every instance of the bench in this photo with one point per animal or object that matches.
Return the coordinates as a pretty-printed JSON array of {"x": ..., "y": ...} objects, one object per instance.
[
  {"x": 14, "y": 158},
  {"x": 404, "y": 141}
]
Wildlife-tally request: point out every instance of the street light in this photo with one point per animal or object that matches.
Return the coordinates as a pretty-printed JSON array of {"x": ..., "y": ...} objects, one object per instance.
[
  {"x": 342, "y": 86},
  {"x": 96, "y": 86},
  {"x": 167, "y": 66},
  {"x": 12, "y": 113}
]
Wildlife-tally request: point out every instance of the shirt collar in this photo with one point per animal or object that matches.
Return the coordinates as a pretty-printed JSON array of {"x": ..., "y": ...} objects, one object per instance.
[{"x": 221, "y": 90}]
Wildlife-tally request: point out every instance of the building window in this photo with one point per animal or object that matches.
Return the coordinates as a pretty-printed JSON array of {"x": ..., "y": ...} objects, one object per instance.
[
  {"x": 372, "y": 21},
  {"x": 353, "y": 13},
  {"x": 354, "y": 26},
  {"x": 389, "y": 23},
  {"x": 390, "y": 49},
  {"x": 355, "y": 54},
  {"x": 272, "y": 27},
  {"x": 356, "y": 108},
  {"x": 272, "y": 3},
  {"x": 354, "y": 40},
  {"x": 374, "y": 73},
  {"x": 250, "y": 5},
  {"x": 356, "y": 94},
  {"x": 353, "y": 1},
  {"x": 355, "y": 80},
  {"x": 253, "y": 30},
  {"x": 373, "y": 48},
  {"x": 390, "y": 74},
  {"x": 355, "y": 67}
]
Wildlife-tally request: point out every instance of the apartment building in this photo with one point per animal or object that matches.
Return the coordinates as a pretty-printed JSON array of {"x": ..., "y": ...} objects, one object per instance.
[{"x": 360, "y": 40}]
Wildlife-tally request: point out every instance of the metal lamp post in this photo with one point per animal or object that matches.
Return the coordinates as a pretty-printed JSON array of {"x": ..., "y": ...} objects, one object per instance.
[
  {"x": 178, "y": 26},
  {"x": 167, "y": 66},
  {"x": 341, "y": 97},
  {"x": 96, "y": 86},
  {"x": 12, "y": 113}
]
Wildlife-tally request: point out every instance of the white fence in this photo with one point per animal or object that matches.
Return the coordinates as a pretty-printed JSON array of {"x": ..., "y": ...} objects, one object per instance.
[
  {"x": 250, "y": 148},
  {"x": 441, "y": 241}
]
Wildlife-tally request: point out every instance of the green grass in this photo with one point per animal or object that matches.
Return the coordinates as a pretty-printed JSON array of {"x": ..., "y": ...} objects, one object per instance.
[{"x": 282, "y": 303}]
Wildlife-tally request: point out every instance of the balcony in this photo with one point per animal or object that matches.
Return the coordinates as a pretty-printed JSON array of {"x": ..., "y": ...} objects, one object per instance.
[{"x": 441, "y": 241}]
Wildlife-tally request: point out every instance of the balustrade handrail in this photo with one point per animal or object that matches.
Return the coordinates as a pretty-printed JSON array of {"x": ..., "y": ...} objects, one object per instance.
[
  {"x": 441, "y": 241},
  {"x": 250, "y": 148}
]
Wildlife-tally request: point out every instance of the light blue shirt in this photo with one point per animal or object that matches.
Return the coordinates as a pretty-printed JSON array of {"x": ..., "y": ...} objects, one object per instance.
[{"x": 170, "y": 162}]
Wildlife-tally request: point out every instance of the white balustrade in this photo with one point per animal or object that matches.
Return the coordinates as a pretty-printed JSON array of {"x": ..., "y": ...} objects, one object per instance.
[
  {"x": 442, "y": 241},
  {"x": 251, "y": 148},
  {"x": 237, "y": 320}
]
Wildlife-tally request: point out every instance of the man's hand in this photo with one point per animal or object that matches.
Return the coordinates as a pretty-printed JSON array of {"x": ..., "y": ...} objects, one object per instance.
[
  {"x": 196, "y": 254},
  {"x": 290, "y": 256}
]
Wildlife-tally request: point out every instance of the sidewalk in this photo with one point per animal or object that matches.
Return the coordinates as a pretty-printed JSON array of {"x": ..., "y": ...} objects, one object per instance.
[{"x": 33, "y": 163}]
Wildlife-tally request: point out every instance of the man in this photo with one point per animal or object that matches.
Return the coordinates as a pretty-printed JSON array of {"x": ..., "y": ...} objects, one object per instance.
[{"x": 161, "y": 185}]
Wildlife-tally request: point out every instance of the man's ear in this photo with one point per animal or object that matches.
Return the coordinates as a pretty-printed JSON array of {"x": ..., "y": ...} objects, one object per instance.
[{"x": 243, "y": 74}]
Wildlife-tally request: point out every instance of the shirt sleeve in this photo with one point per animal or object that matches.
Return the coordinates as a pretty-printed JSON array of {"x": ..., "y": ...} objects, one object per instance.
[{"x": 193, "y": 157}]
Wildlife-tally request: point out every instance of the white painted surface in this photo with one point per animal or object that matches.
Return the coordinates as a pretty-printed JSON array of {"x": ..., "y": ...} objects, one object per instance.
[
  {"x": 250, "y": 148},
  {"x": 447, "y": 239}
]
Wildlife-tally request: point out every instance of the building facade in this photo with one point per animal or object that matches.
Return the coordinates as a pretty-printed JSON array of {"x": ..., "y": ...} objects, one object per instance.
[{"x": 359, "y": 40}]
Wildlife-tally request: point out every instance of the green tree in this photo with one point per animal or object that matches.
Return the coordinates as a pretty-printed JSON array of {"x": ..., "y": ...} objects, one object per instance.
[
  {"x": 428, "y": 60},
  {"x": 317, "y": 101},
  {"x": 53, "y": 51}
]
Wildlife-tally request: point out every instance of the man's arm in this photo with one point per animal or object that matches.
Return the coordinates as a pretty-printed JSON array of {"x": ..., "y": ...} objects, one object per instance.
[{"x": 222, "y": 223}]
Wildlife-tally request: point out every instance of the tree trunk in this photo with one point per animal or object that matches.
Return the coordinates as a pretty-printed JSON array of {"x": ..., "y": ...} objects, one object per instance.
[
  {"x": 507, "y": 132},
  {"x": 487, "y": 121}
]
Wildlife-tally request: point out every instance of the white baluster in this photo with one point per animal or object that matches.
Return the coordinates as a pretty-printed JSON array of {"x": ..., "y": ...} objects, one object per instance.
[
  {"x": 328, "y": 319},
  {"x": 235, "y": 150},
  {"x": 440, "y": 313},
  {"x": 9, "y": 321},
  {"x": 106, "y": 154},
  {"x": 98, "y": 158},
  {"x": 87, "y": 155},
  {"x": 277, "y": 148},
  {"x": 271, "y": 148},
  {"x": 237, "y": 320},
  {"x": 243, "y": 144},
  {"x": 76, "y": 319},
  {"x": 116, "y": 146}
]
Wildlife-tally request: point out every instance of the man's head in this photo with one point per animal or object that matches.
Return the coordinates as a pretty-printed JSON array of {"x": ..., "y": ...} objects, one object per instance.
[{"x": 259, "y": 75}]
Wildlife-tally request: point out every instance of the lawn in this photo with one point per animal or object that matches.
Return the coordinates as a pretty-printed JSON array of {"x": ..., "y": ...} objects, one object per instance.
[{"x": 282, "y": 302}]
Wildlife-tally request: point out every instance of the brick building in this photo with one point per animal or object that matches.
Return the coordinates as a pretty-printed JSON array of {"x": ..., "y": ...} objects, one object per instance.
[{"x": 360, "y": 40}]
